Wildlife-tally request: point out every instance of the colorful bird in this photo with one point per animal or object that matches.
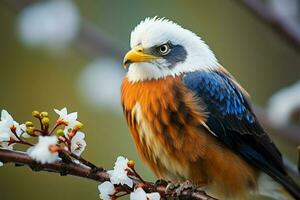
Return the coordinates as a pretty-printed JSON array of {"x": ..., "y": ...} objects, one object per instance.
[{"x": 190, "y": 119}]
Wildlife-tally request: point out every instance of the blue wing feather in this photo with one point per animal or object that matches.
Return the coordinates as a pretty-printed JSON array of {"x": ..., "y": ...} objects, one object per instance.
[
  {"x": 220, "y": 95},
  {"x": 231, "y": 119}
]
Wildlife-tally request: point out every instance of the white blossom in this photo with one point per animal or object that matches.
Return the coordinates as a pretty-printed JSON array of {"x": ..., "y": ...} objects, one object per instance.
[
  {"x": 7, "y": 145},
  {"x": 6, "y": 117},
  {"x": 140, "y": 194},
  {"x": 24, "y": 133},
  {"x": 106, "y": 189},
  {"x": 285, "y": 9},
  {"x": 283, "y": 103},
  {"x": 119, "y": 174},
  {"x": 78, "y": 143},
  {"x": 4, "y": 136},
  {"x": 41, "y": 153},
  {"x": 23, "y": 127},
  {"x": 92, "y": 84},
  {"x": 7, "y": 123},
  {"x": 153, "y": 196},
  {"x": 51, "y": 24},
  {"x": 70, "y": 119},
  {"x": 287, "y": 12},
  {"x": 1, "y": 164}
]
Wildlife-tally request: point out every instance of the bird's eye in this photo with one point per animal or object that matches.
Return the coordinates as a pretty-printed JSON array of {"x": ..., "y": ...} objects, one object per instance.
[{"x": 164, "y": 49}]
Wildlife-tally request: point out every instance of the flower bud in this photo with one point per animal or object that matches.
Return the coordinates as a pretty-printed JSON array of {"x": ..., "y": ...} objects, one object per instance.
[
  {"x": 29, "y": 130},
  {"x": 45, "y": 121},
  {"x": 36, "y": 114},
  {"x": 28, "y": 124},
  {"x": 78, "y": 125},
  {"x": 44, "y": 114},
  {"x": 130, "y": 164},
  {"x": 60, "y": 132}
]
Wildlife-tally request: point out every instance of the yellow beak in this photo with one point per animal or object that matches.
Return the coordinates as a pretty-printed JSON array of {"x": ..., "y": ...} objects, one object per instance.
[{"x": 137, "y": 55}]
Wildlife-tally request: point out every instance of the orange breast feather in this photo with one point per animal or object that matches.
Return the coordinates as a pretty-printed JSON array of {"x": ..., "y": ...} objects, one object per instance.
[{"x": 166, "y": 124}]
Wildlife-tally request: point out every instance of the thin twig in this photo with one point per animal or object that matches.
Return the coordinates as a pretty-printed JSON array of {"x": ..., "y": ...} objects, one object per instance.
[
  {"x": 94, "y": 43},
  {"x": 23, "y": 142},
  {"x": 259, "y": 9},
  {"x": 39, "y": 131},
  {"x": 81, "y": 159},
  {"x": 18, "y": 142},
  {"x": 53, "y": 128},
  {"x": 137, "y": 175}
]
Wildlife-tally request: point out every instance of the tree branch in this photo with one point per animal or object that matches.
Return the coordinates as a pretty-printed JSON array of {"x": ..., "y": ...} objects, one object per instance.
[
  {"x": 265, "y": 15},
  {"x": 20, "y": 158},
  {"x": 93, "y": 42}
]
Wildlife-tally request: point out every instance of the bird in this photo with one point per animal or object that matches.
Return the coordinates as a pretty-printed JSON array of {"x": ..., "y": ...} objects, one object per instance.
[{"x": 191, "y": 120}]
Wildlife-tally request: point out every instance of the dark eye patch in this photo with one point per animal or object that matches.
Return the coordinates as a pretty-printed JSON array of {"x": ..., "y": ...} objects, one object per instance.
[
  {"x": 176, "y": 55},
  {"x": 155, "y": 50}
]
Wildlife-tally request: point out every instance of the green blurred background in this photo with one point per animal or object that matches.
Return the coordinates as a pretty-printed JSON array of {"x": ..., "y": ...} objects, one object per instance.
[{"x": 36, "y": 79}]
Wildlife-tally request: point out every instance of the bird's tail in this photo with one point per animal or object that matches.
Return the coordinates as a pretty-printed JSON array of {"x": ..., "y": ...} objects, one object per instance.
[
  {"x": 282, "y": 189},
  {"x": 291, "y": 187}
]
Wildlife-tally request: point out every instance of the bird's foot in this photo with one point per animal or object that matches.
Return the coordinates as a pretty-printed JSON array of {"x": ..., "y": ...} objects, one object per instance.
[
  {"x": 171, "y": 187},
  {"x": 187, "y": 185},
  {"x": 175, "y": 190},
  {"x": 160, "y": 182}
]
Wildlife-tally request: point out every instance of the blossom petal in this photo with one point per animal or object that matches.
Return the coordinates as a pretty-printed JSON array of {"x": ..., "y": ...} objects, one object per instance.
[
  {"x": 119, "y": 174},
  {"x": 72, "y": 116},
  {"x": 106, "y": 189},
  {"x": 78, "y": 143},
  {"x": 57, "y": 111},
  {"x": 40, "y": 152},
  {"x": 5, "y": 116},
  {"x": 4, "y": 136},
  {"x": 62, "y": 113},
  {"x": 153, "y": 196},
  {"x": 138, "y": 194}
]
